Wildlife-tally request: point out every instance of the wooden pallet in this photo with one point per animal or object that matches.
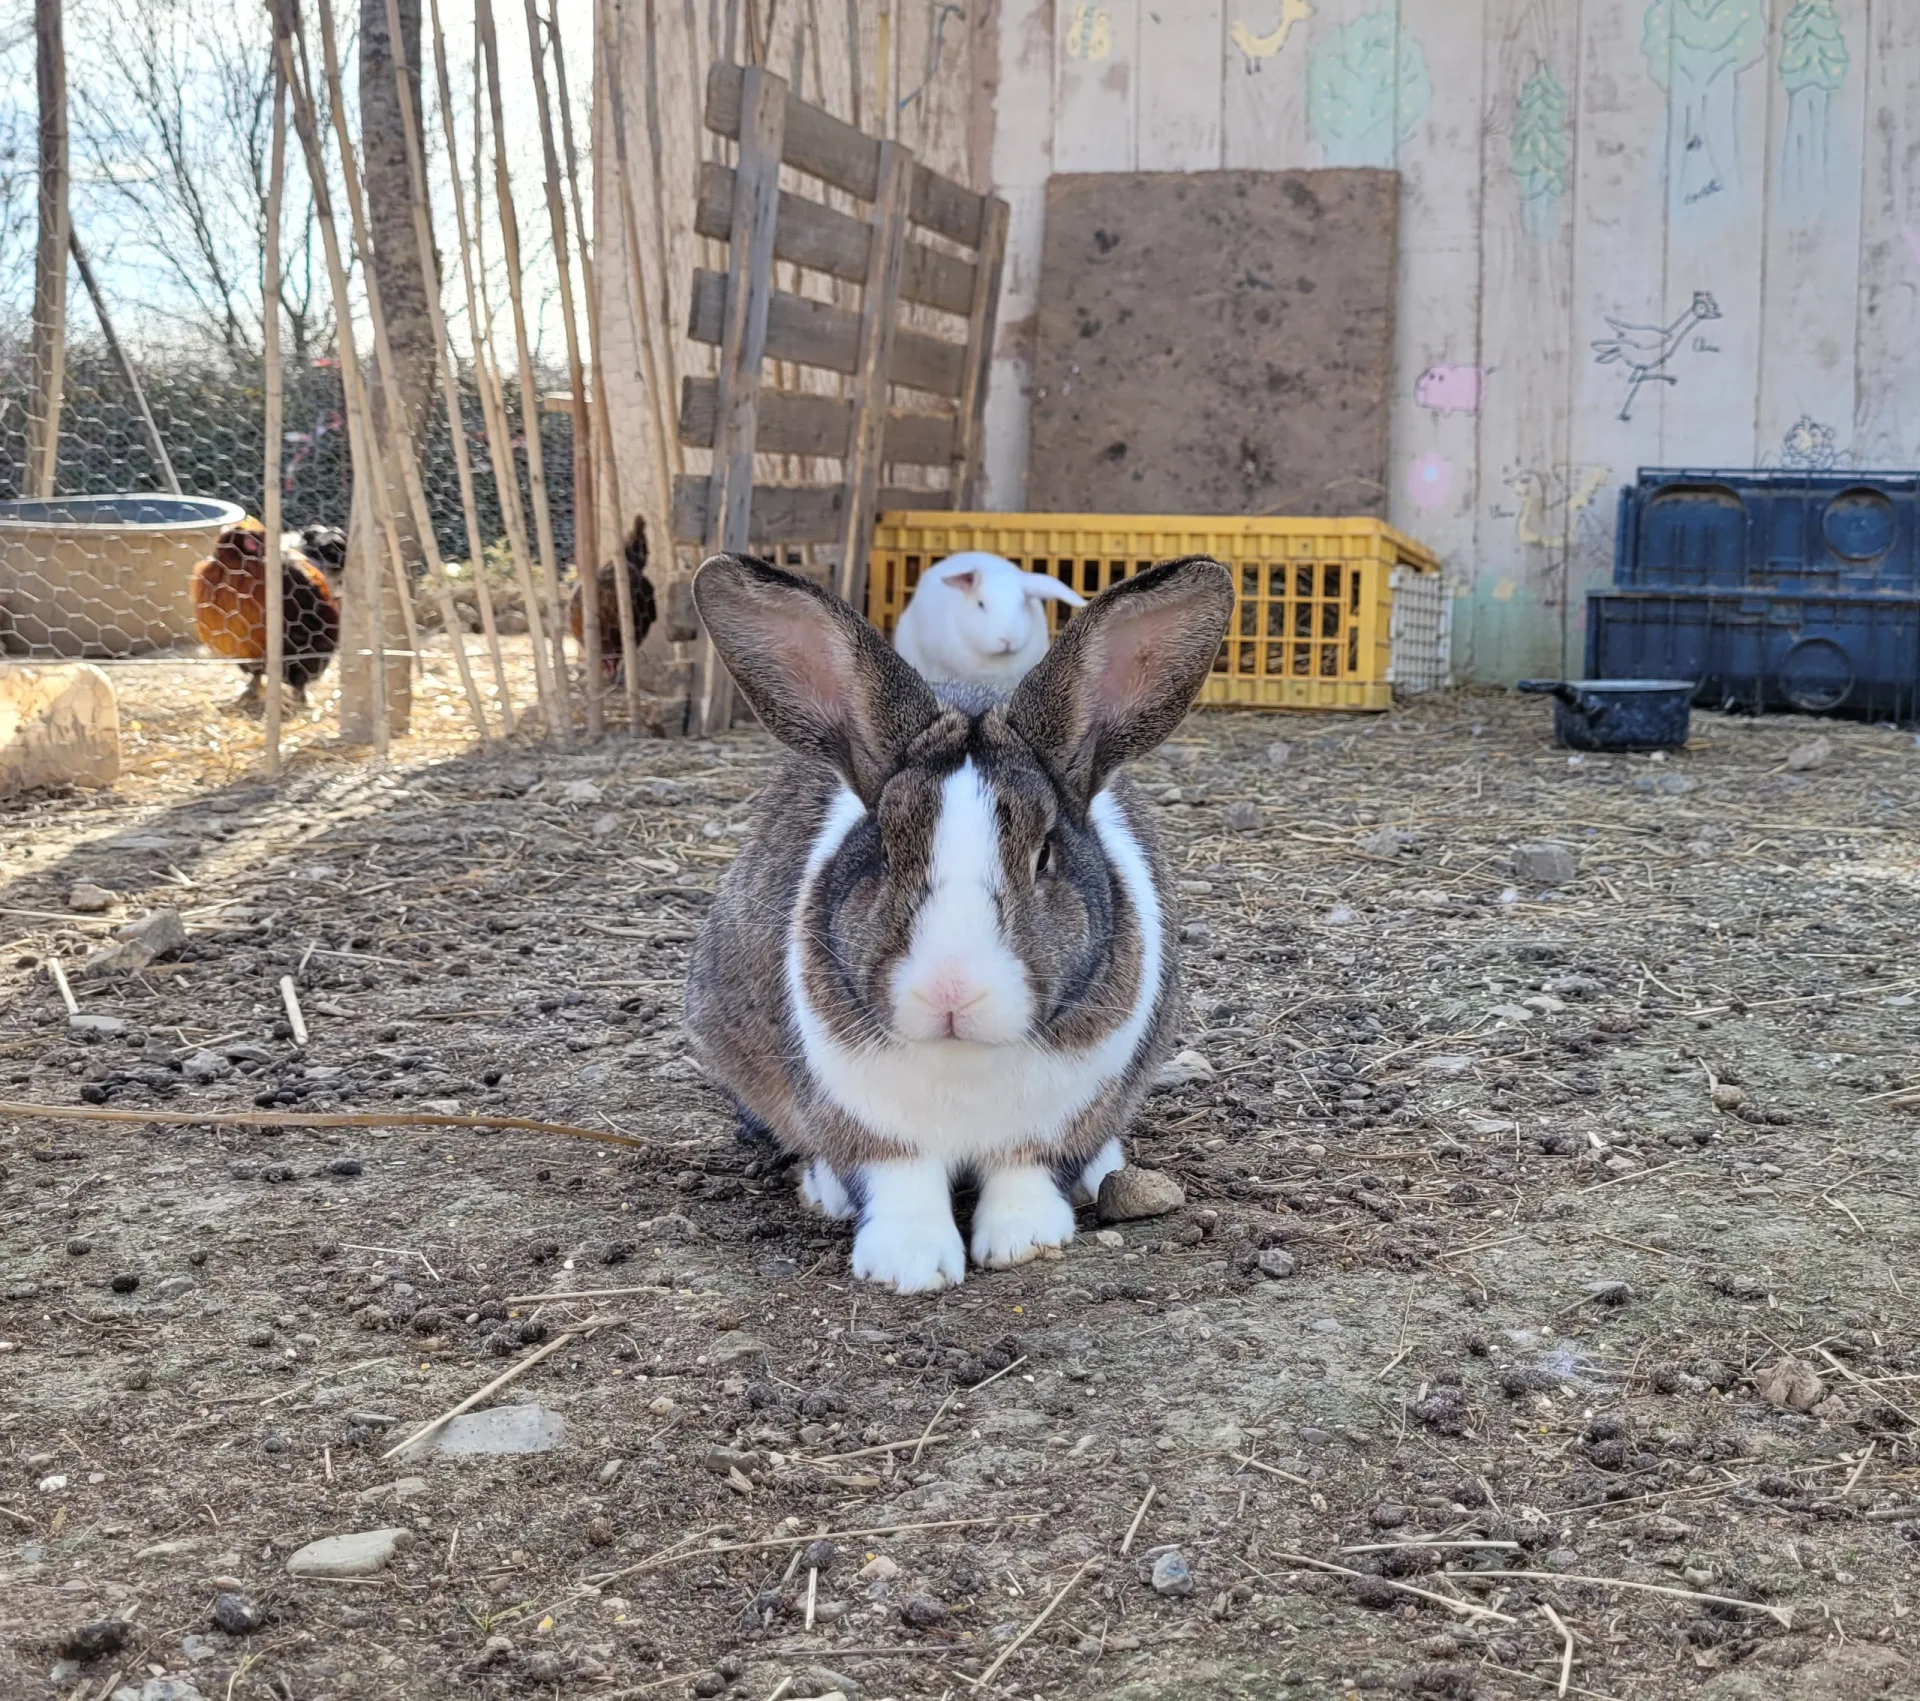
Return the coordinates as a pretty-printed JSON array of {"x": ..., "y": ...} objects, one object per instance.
[{"x": 901, "y": 248}]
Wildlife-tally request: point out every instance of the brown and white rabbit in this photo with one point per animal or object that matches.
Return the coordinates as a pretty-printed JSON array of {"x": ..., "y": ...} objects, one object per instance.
[{"x": 947, "y": 946}]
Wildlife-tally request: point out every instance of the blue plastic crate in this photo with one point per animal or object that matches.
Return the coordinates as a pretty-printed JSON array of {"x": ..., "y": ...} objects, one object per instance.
[
  {"x": 1857, "y": 656},
  {"x": 1814, "y": 532}
]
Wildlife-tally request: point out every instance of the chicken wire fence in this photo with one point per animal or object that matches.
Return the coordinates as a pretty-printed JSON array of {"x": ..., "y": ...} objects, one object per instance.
[{"x": 103, "y": 569}]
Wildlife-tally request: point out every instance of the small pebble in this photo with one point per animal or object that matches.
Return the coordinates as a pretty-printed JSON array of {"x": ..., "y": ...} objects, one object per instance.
[
  {"x": 1277, "y": 1263},
  {"x": 346, "y": 1166},
  {"x": 89, "y": 899},
  {"x": 710, "y": 1683},
  {"x": 1241, "y": 817},
  {"x": 125, "y": 1282},
  {"x": 1171, "y": 1576},
  {"x": 77, "y": 1248},
  {"x": 1389, "y": 1515},
  {"x": 275, "y": 1444},
  {"x": 600, "y": 1533},
  {"x": 236, "y": 1615}
]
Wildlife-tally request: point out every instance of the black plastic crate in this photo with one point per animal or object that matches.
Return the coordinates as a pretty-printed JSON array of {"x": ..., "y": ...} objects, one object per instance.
[
  {"x": 1857, "y": 656},
  {"x": 1813, "y": 532}
]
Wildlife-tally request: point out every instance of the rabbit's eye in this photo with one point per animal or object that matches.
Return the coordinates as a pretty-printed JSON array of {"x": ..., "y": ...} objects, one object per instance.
[{"x": 1043, "y": 858}]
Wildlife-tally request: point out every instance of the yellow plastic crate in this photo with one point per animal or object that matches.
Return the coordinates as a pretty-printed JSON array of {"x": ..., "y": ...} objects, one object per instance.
[{"x": 1331, "y": 614}]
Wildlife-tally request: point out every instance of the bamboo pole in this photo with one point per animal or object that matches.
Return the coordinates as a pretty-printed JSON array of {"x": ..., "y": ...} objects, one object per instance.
[
  {"x": 602, "y": 408},
  {"x": 361, "y": 451},
  {"x": 443, "y": 355},
  {"x": 492, "y": 413},
  {"x": 399, "y": 429},
  {"x": 529, "y": 393},
  {"x": 155, "y": 444},
  {"x": 270, "y": 481},
  {"x": 586, "y": 553}
]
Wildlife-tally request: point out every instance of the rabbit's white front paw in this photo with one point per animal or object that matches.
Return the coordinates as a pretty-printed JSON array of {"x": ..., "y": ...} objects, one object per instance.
[
  {"x": 822, "y": 1189},
  {"x": 906, "y": 1238},
  {"x": 1102, "y": 1164},
  {"x": 1020, "y": 1211}
]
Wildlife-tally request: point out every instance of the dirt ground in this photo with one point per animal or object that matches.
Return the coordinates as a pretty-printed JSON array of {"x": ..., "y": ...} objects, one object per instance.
[{"x": 1503, "y": 1199}]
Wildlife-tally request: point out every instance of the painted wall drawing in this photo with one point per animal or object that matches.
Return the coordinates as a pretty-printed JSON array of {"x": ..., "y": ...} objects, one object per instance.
[
  {"x": 1813, "y": 67},
  {"x": 1541, "y": 151},
  {"x": 1553, "y": 502},
  {"x": 1696, "y": 50},
  {"x": 1809, "y": 446},
  {"x": 1643, "y": 351},
  {"x": 1089, "y": 32},
  {"x": 1449, "y": 388},
  {"x": 1258, "y": 49},
  {"x": 1367, "y": 91}
]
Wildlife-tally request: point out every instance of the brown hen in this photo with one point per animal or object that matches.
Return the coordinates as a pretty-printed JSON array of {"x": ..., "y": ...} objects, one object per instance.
[{"x": 229, "y": 592}]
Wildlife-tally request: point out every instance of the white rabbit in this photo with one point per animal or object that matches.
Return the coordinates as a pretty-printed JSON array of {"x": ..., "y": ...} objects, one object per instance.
[
  {"x": 976, "y": 619},
  {"x": 947, "y": 947}
]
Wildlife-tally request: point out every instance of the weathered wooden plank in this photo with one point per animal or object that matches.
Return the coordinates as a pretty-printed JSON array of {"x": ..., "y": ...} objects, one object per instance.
[
  {"x": 793, "y": 423},
  {"x": 1521, "y": 615},
  {"x": 822, "y": 146},
  {"x": 1180, "y": 112},
  {"x": 971, "y": 418},
  {"x": 1022, "y": 156},
  {"x": 1886, "y": 422},
  {"x": 1096, "y": 78},
  {"x": 816, "y": 333},
  {"x": 788, "y": 513},
  {"x": 741, "y": 330},
  {"x": 1264, "y": 97},
  {"x": 1810, "y": 299},
  {"x": 1434, "y": 429},
  {"x": 1717, "y": 170},
  {"x": 879, "y": 309},
  {"x": 1616, "y": 205},
  {"x": 809, "y": 233}
]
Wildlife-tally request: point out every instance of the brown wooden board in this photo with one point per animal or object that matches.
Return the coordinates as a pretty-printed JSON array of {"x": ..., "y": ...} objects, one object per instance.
[
  {"x": 1215, "y": 342},
  {"x": 787, "y": 513}
]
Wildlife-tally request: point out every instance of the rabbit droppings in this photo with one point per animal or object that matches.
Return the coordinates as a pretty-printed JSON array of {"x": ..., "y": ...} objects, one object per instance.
[
  {"x": 976, "y": 619},
  {"x": 946, "y": 946}
]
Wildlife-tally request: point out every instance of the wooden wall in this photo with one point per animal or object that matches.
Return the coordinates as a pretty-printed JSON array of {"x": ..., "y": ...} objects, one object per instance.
[{"x": 1719, "y": 199}]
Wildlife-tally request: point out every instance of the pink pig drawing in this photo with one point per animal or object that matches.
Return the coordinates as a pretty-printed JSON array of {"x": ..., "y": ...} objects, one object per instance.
[{"x": 1449, "y": 389}]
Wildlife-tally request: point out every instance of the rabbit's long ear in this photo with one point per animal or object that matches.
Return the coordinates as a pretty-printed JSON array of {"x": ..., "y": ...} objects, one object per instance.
[
  {"x": 820, "y": 678},
  {"x": 1044, "y": 587},
  {"x": 1118, "y": 679}
]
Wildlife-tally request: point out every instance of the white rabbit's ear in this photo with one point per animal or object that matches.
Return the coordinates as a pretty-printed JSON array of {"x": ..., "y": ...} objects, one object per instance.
[
  {"x": 964, "y": 583},
  {"x": 1044, "y": 587},
  {"x": 820, "y": 678}
]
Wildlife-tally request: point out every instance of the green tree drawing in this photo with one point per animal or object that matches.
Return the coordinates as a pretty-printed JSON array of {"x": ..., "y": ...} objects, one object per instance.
[
  {"x": 1540, "y": 149},
  {"x": 1696, "y": 50},
  {"x": 1813, "y": 65},
  {"x": 1367, "y": 90}
]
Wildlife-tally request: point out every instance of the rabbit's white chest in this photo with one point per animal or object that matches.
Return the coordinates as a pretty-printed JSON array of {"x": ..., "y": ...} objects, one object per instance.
[{"x": 955, "y": 1100}]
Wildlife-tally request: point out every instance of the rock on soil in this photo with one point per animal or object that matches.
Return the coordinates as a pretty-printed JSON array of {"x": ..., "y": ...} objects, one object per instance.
[
  {"x": 1545, "y": 864},
  {"x": 1129, "y": 1195},
  {"x": 500, "y": 1429},
  {"x": 1171, "y": 1576},
  {"x": 360, "y": 1554}
]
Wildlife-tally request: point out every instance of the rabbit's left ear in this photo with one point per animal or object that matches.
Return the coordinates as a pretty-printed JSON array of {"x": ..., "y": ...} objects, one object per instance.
[{"x": 1043, "y": 587}]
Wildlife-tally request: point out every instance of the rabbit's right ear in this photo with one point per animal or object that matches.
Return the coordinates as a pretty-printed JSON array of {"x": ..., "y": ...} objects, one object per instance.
[{"x": 822, "y": 680}]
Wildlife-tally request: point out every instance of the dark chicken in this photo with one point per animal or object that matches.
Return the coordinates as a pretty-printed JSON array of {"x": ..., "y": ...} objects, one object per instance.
[
  {"x": 607, "y": 600},
  {"x": 229, "y": 592}
]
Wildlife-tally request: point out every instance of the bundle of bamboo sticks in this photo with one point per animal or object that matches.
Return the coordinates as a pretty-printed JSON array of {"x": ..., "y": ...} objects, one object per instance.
[{"x": 385, "y": 459}]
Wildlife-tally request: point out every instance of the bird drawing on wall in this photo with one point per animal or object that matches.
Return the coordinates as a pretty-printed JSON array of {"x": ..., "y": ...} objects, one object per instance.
[
  {"x": 1260, "y": 48},
  {"x": 1644, "y": 350}
]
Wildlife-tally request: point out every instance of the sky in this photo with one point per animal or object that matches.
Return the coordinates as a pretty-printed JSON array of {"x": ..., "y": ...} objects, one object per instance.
[{"x": 191, "y": 55}]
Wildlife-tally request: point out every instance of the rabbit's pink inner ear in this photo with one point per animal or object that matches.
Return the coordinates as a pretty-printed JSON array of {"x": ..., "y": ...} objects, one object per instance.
[{"x": 963, "y": 582}]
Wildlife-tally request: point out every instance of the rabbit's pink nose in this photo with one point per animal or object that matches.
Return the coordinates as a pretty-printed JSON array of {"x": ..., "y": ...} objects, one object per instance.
[{"x": 949, "y": 992}]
